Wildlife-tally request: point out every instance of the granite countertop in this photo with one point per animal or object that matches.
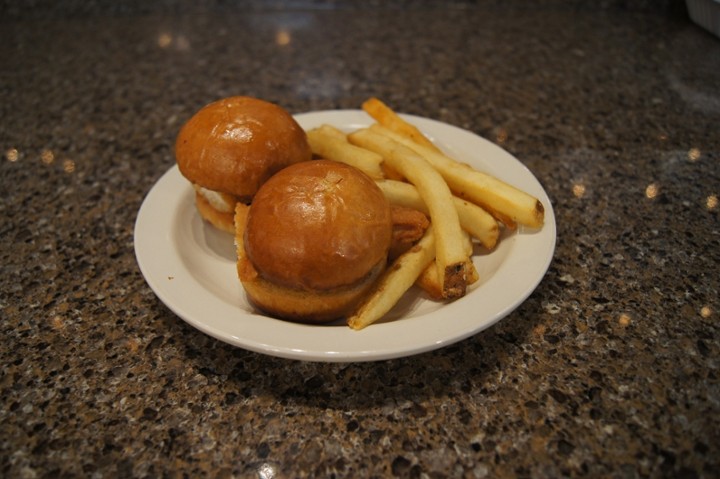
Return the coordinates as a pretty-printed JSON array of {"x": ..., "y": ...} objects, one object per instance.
[{"x": 608, "y": 369}]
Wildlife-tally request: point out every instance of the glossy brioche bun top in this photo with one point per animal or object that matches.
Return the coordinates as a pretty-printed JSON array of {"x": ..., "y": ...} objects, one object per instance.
[
  {"x": 235, "y": 144},
  {"x": 317, "y": 226}
]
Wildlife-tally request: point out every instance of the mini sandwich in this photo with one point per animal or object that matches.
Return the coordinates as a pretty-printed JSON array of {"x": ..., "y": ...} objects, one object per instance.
[
  {"x": 314, "y": 240},
  {"x": 231, "y": 147}
]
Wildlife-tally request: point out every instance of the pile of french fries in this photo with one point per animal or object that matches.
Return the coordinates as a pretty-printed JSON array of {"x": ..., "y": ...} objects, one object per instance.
[{"x": 464, "y": 205}]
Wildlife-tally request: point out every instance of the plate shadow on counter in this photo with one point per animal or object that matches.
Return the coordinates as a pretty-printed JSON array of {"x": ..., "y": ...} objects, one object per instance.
[{"x": 461, "y": 367}]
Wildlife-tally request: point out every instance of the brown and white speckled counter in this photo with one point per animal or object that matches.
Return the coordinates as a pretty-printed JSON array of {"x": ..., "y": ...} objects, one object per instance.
[{"x": 609, "y": 369}]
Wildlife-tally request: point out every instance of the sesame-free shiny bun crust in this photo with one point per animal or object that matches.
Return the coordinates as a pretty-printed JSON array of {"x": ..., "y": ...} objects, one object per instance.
[
  {"x": 235, "y": 144},
  {"x": 316, "y": 237}
]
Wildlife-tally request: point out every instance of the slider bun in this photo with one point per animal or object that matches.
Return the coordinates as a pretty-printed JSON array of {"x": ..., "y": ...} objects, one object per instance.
[
  {"x": 219, "y": 219},
  {"x": 235, "y": 144},
  {"x": 301, "y": 305},
  {"x": 317, "y": 236}
]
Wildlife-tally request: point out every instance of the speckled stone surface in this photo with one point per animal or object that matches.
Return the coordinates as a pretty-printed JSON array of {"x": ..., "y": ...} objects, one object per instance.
[{"x": 609, "y": 369}]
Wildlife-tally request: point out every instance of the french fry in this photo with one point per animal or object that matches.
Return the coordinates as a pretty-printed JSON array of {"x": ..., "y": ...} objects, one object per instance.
[
  {"x": 330, "y": 143},
  {"x": 473, "y": 219},
  {"x": 394, "y": 282},
  {"x": 480, "y": 188},
  {"x": 450, "y": 255},
  {"x": 463, "y": 204},
  {"x": 384, "y": 115},
  {"x": 430, "y": 282},
  {"x": 332, "y": 131},
  {"x": 472, "y": 273}
]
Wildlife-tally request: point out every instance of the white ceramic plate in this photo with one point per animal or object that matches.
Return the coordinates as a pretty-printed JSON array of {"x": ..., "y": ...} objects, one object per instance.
[{"x": 191, "y": 267}]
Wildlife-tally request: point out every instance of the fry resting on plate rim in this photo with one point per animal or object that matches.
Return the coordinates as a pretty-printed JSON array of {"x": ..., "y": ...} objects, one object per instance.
[{"x": 385, "y": 116}]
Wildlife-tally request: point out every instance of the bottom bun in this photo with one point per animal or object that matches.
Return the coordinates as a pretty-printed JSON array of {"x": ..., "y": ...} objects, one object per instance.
[
  {"x": 300, "y": 305},
  {"x": 305, "y": 306},
  {"x": 220, "y": 220}
]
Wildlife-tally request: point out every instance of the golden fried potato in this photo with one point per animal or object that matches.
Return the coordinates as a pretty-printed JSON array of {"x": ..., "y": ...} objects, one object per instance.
[
  {"x": 397, "y": 279},
  {"x": 330, "y": 143},
  {"x": 450, "y": 255},
  {"x": 485, "y": 190}
]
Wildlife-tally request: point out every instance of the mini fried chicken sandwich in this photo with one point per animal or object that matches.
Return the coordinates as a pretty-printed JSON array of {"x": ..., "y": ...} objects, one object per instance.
[
  {"x": 313, "y": 241},
  {"x": 231, "y": 147}
]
